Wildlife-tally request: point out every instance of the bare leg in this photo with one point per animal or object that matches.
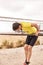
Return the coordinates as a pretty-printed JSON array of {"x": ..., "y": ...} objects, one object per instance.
[{"x": 28, "y": 52}]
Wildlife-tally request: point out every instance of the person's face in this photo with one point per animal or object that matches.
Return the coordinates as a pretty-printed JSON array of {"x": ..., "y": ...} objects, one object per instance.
[{"x": 20, "y": 27}]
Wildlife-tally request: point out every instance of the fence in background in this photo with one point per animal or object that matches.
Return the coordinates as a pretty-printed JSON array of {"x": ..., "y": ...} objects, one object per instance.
[{"x": 11, "y": 19}]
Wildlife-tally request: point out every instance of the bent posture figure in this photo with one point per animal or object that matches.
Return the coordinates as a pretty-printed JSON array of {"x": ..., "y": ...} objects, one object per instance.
[{"x": 30, "y": 41}]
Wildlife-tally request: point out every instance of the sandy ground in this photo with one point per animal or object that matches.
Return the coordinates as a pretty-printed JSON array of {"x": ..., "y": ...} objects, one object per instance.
[{"x": 16, "y": 56}]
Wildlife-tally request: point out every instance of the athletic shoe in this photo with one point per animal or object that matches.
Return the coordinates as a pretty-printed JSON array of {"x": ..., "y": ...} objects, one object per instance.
[{"x": 25, "y": 64}]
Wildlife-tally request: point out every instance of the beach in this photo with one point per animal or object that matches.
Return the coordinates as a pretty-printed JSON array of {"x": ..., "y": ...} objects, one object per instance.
[{"x": 15, "y": 56}]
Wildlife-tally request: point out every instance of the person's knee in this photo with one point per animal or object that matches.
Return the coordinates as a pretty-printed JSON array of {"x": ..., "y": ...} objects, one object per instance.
[
  {"x": 29, "y": 48},
  {"x": 26, "y": 47}
]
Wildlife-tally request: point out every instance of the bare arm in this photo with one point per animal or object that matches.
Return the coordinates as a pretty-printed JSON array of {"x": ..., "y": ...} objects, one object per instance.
[
  {"x": 38, "y": 27},
  {"x": 35, "y": 25}
]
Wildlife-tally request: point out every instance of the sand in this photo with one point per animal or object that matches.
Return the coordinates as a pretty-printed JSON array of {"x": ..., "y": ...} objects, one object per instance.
[{"x": 16, "y": 56}]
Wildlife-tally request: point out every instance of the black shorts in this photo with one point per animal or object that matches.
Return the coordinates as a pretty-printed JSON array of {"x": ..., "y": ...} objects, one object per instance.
[{"x": 30, "y": 40}]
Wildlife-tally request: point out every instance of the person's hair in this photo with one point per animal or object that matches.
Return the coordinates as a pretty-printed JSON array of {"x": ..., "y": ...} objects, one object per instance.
[{"x": 15, "y": 26}]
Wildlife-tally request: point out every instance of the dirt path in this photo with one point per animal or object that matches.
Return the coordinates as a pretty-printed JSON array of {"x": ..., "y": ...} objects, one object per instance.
[{"x": 16, "y": 56}]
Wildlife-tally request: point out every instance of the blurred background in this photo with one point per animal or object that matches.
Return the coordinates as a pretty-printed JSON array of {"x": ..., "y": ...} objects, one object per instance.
[
  {"x": 31, "y": 9},
  {"x": 19, "y": 10}
]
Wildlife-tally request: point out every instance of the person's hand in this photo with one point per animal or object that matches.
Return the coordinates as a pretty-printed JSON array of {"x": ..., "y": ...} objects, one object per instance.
[{"x": 37, "y": 33}]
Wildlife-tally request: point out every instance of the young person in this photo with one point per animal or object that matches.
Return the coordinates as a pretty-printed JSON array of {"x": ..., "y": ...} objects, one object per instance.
[{"x": 30, "y": 41}]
